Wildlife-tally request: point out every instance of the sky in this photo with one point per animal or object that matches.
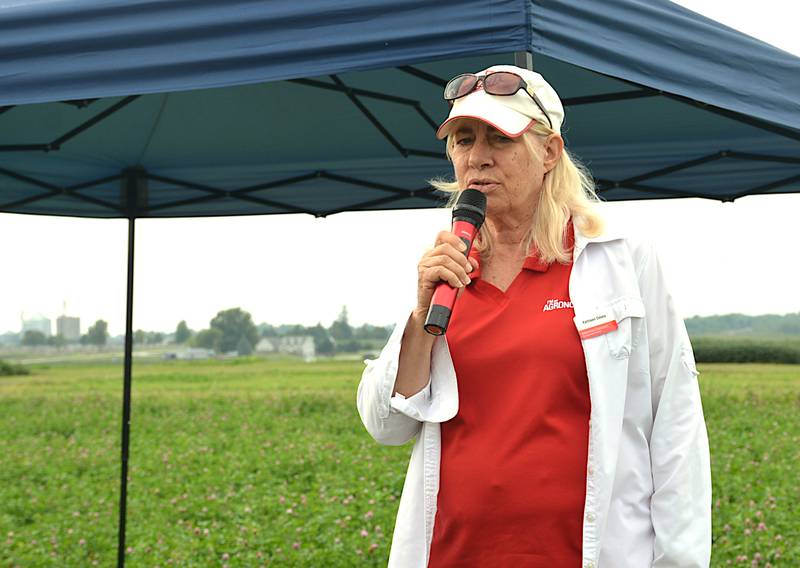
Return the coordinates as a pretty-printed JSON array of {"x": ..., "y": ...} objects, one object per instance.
[{"x": 719, "y": 257}]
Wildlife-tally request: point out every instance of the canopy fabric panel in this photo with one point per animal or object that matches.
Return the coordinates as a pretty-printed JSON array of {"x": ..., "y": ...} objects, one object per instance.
[
  {"x": 54, "y": 50},
  {"x": 172, "y": 108},
  {"x": 667, "y": 47}
]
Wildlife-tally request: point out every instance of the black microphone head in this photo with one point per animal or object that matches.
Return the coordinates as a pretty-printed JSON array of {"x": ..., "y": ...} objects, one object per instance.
[{"x": 471, "y": 206}]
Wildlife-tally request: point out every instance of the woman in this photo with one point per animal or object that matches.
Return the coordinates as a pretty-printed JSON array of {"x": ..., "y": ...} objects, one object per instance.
[{"x": 559, "y": 421}]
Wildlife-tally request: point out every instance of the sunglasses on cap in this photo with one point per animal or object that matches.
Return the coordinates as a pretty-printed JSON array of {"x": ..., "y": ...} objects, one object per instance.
[{"x": 503, "y": 83}]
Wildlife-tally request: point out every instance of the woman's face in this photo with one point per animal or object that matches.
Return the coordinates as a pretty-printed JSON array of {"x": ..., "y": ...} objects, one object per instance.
[{"x": 503, "y": 168}]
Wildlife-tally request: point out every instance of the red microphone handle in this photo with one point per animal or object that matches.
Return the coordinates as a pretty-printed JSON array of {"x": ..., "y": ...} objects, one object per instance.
[{"x": 444, "y": 297}]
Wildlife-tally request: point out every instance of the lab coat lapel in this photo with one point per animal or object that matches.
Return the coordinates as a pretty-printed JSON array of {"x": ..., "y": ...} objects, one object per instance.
[{"x": 596, "y": 290}]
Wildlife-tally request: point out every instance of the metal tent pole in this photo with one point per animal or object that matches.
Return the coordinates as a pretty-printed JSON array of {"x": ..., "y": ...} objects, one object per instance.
[
  {"x": 134, "y": 200},
  {"x": 126, "y": 401}
]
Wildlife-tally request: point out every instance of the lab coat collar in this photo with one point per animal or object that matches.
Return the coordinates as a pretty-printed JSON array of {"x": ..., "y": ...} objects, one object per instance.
[{"x": 581, "y": 240}]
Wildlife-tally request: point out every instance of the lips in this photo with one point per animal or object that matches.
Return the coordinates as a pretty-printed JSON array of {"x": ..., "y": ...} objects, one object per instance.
[{"x": 481, "y": 184}]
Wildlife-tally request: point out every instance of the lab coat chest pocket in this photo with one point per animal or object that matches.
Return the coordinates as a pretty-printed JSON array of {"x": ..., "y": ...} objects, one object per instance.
[{"x": 628, "y": 313}]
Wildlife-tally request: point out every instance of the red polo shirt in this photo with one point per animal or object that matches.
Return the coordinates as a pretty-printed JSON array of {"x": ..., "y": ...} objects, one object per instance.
[{"x": 513, "y": 470}]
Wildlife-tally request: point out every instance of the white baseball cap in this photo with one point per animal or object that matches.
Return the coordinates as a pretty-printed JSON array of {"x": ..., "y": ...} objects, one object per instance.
[{"x": 510, "y": 114}]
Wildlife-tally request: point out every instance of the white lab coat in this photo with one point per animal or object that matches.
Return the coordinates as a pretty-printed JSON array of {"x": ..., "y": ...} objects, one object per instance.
[{"x": 648, "y": 477}]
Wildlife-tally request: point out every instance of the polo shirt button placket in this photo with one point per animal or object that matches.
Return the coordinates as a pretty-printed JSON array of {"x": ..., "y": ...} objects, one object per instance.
[
  {"x": 589, "y": 564},
  {"x": 590, "y": 517}
]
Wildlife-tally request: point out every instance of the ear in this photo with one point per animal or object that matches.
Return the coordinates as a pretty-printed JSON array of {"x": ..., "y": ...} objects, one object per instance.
[{"x": 553, "y": 147}]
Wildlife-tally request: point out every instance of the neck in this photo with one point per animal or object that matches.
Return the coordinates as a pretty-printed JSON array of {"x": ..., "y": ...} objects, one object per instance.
[{"x": 509, "y": 231}]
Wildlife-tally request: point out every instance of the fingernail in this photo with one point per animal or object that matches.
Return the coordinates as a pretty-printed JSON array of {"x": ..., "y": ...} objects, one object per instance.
[
  {"x": 469, "y": 280},
  {"x": 462, "y": 245},
  {"x": 469, "y": 267}
]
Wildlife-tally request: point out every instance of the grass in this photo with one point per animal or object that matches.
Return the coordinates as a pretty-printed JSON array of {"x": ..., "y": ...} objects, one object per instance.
[
  {"x": 753, "y": 417},
  {"x": 256, "y": 462}
]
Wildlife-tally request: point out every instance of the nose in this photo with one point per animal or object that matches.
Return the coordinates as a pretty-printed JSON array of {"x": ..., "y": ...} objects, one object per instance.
[{"x": 480, "y": 155}]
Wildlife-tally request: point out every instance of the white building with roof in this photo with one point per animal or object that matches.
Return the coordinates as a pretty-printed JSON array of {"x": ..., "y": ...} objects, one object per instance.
[{"x": 300, "y": 345}]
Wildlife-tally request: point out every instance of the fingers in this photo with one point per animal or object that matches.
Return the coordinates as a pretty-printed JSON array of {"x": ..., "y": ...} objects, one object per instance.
[
  {"x": 446, "y": 237},
  {"x": 446, "y": 261},
  {"x": 431, "y": 277},
  {"x": 446, "y": 266}
]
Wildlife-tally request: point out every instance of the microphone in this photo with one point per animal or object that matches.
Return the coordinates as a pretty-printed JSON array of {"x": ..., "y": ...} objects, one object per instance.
[{"x": 468, "y": 216}]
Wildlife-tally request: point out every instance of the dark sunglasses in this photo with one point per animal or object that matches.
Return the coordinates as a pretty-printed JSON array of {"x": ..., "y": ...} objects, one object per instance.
[{"x": 503, "y": 83}]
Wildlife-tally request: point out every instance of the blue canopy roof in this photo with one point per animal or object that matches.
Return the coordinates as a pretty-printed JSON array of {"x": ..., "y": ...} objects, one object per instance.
[{"x": 166, "y": 108}]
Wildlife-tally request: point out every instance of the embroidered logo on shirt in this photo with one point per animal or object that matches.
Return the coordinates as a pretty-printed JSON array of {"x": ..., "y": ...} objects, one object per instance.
[{"x": 556, "y": 305}]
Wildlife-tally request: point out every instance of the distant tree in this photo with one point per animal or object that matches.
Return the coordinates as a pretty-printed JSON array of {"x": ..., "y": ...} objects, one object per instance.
[
  {"x": 154, "y": 337},
  {"x": 142, "y": 337},
  {"x": 234, "y": 324},
  {"x": 207, "y": 339},
  {"x": 323, "y": 344},
  {"x": 790, "y": 327},
  {"x": 97, "y": 334},
  {"x": 349, "y": 346},
  {"x": 34, "y": 338},
  {"x": 340, "y": 329},
  {"x": 267, "y": 330},
  {"x": 244, "y": 347},
  {"x": 57, "y": 341},
  {"x": 368, "y": 331},
  {"x": 182, "y": 332},
  {"x": 744, "y": 325},
  {"x": 291, "y": 329}
]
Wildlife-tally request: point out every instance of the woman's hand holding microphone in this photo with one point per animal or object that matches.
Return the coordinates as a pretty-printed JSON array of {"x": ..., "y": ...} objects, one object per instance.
[{"x": 445, "y": 262}]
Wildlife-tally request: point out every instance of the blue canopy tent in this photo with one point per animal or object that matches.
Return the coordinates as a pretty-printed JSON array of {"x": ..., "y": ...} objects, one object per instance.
[{"x": 175, "y": 108}]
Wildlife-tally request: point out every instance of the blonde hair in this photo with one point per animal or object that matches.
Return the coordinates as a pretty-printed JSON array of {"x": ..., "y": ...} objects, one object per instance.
[{"x": 568, "y": 191}]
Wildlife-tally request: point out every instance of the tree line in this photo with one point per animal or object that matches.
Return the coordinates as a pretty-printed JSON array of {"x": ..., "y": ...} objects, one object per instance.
[
  {"x": 233, "y": 330},
  {"x": 740, "y": 324}
]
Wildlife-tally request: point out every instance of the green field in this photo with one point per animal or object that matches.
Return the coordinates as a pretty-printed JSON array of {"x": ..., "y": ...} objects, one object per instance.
[{"x": 262, "y": 462}]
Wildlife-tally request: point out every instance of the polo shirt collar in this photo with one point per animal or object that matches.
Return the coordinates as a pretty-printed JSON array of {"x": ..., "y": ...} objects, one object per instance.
[{"x": 532, "y": 262}]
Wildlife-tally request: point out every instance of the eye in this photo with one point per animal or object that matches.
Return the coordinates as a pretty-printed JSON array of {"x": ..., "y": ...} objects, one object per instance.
[{"x": 463, "y": 140}]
